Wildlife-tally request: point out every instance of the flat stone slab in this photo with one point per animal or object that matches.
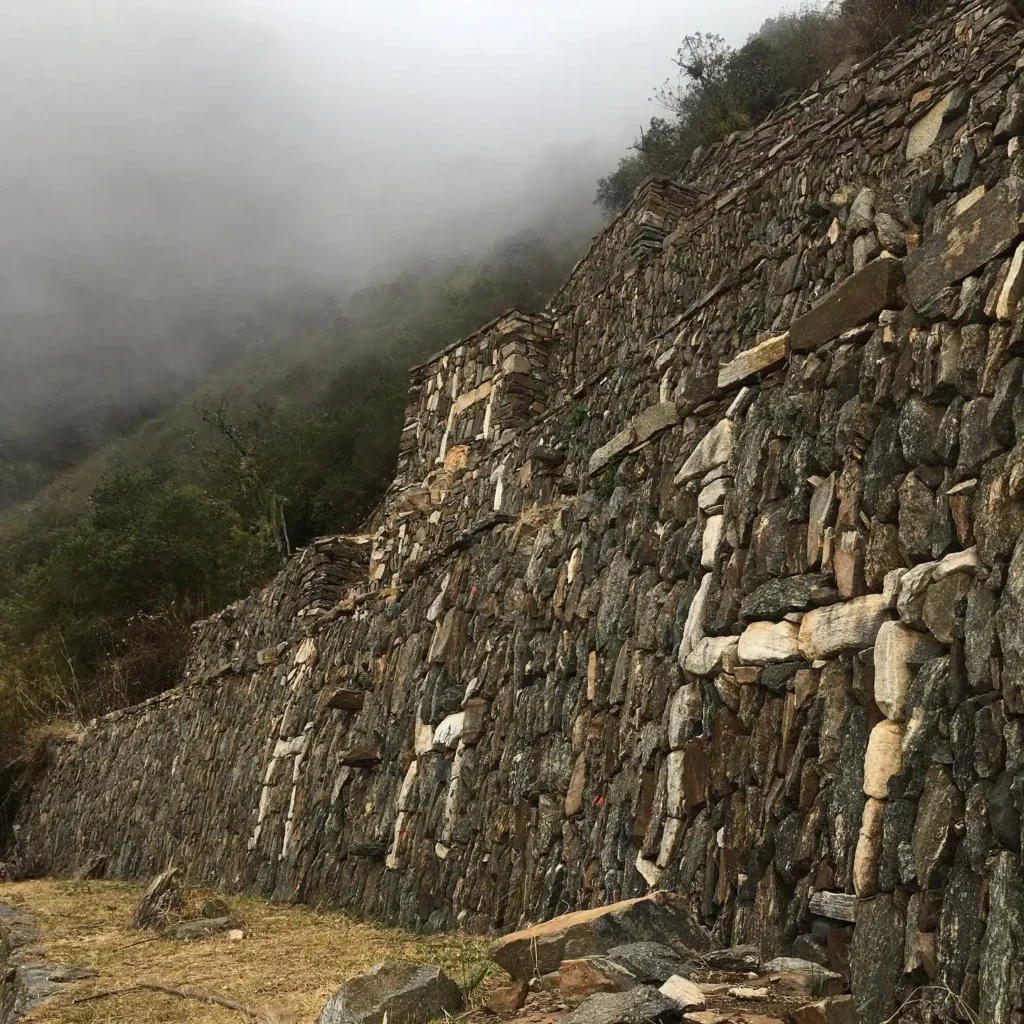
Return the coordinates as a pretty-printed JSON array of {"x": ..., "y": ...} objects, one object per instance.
[
  {"x": 660, "y": 917},
  {"x": 989, "y": 227},
  {"x": 859, "y": 298},
  {"x": 754, "y": 360},
  {"x": 406, "y": 993}
]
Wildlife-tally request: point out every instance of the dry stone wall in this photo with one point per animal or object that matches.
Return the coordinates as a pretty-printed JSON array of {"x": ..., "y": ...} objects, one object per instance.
[{"x": 730, "y": 604}]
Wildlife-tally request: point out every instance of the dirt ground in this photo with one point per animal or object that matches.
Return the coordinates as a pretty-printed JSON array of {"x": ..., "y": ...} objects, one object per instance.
[{"x": 290, "y": 962}]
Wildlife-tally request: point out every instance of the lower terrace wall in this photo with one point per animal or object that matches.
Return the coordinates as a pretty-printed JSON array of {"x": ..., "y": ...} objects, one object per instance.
[{"x": 739, "y": 614}]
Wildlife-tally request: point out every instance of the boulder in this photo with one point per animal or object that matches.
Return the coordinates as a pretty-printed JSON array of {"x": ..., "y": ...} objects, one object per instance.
[
  {"x": 640, "y": 1005},
  {"x": 406, "y": 993},
  {"x": 660, "y": 917},
  {"x": 649, "y": 962}
]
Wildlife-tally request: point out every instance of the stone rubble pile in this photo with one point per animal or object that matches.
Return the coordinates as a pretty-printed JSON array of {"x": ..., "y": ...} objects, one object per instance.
[{"x": 708, "y": 579}]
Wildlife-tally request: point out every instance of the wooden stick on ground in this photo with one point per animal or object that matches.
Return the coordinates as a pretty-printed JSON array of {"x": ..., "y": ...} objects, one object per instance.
[{"x": 183, "y": 993}]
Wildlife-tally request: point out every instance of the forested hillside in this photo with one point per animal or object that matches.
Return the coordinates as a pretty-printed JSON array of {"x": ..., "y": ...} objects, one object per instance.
[
  {"x": 119, "y": 528},
  {"x": 106, "y": 568}
]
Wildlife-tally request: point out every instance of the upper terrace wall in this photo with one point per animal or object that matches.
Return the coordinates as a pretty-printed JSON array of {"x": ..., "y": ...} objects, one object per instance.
[{"x": 732, "y": 615}]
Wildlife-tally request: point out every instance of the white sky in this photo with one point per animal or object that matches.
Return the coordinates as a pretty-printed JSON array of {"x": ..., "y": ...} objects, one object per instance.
[{"x": 160, "y": 152}]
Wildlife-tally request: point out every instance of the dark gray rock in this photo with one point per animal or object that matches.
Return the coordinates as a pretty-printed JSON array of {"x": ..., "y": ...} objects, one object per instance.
[
  {"x": 773, "y": 599},
  {"x": 201, "y": 928},
  {"x": 876, "y": 957},
  {"x": 649, "y": 962},
  {"x": 999, "y": 974},
  {"x": 407, "y": 993},
  {"x": 640, "y": 1005}
]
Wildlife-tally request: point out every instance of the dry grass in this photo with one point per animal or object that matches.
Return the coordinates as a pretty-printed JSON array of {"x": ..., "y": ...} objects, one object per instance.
[{"x": 290, "y": 962}]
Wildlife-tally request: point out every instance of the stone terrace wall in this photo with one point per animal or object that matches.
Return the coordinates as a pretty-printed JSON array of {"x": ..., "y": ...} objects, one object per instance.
[{"x": 737, "y": 614}]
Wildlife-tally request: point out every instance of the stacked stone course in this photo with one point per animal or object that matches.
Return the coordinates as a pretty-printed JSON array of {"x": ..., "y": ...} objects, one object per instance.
[{"x": 725, "y": 596}]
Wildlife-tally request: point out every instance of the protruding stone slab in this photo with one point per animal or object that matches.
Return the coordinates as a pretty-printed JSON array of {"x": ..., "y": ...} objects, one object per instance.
[
  {"x": 622, "y": 441},
  {"x": 849, "y": 626},
  {"x": 706, "y": 658},
  {"x": 346, "y": 700},
  {"x": 859, "y": 298},
  {"x": 402, "y": 993},
  {"x": 978, "y": 235},
  {"x": 753, "y": 360},
  {"x": 765, "y": 642},
  {"x": 839, "y": 906},
  {"x": 715, "y": 449},
  {"x": 654, "y": 419},
  {"x": 660, "y": 917}
]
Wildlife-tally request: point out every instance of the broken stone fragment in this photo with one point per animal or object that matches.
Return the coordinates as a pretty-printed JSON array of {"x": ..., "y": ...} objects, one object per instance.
[
  {"x": 508, "y": 998},
  {"x": 714, "y": 449},
  {"x": 834, "y": 1010},
  {"x": 202, "y": 928},
  {"x": 883, "y": 758},
  {"x": 398, "y": 992},
  {"x": 684, "y": 993},
  {"x": 847, "y": 626},
  {"x": 649, "y": 962}
]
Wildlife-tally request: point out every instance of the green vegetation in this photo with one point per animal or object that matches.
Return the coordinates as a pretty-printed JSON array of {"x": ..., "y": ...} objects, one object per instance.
[
  {"x": 104, "y": 572},
  {"x": 718, "y": 90}
]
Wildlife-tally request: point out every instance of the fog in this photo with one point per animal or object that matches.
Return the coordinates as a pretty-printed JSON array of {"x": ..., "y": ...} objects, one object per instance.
[{"x": 171, "y": 163}]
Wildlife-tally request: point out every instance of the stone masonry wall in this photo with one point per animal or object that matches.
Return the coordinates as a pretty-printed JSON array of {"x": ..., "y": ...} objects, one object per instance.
[{"x": 732, "y": 605}]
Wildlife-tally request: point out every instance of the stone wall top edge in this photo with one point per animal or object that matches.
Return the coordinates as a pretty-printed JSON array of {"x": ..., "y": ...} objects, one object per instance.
[{"x": 527, "y": 314}]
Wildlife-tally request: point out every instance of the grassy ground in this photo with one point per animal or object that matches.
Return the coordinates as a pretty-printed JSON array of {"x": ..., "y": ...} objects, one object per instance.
[{"x": 288, "y": 965}]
